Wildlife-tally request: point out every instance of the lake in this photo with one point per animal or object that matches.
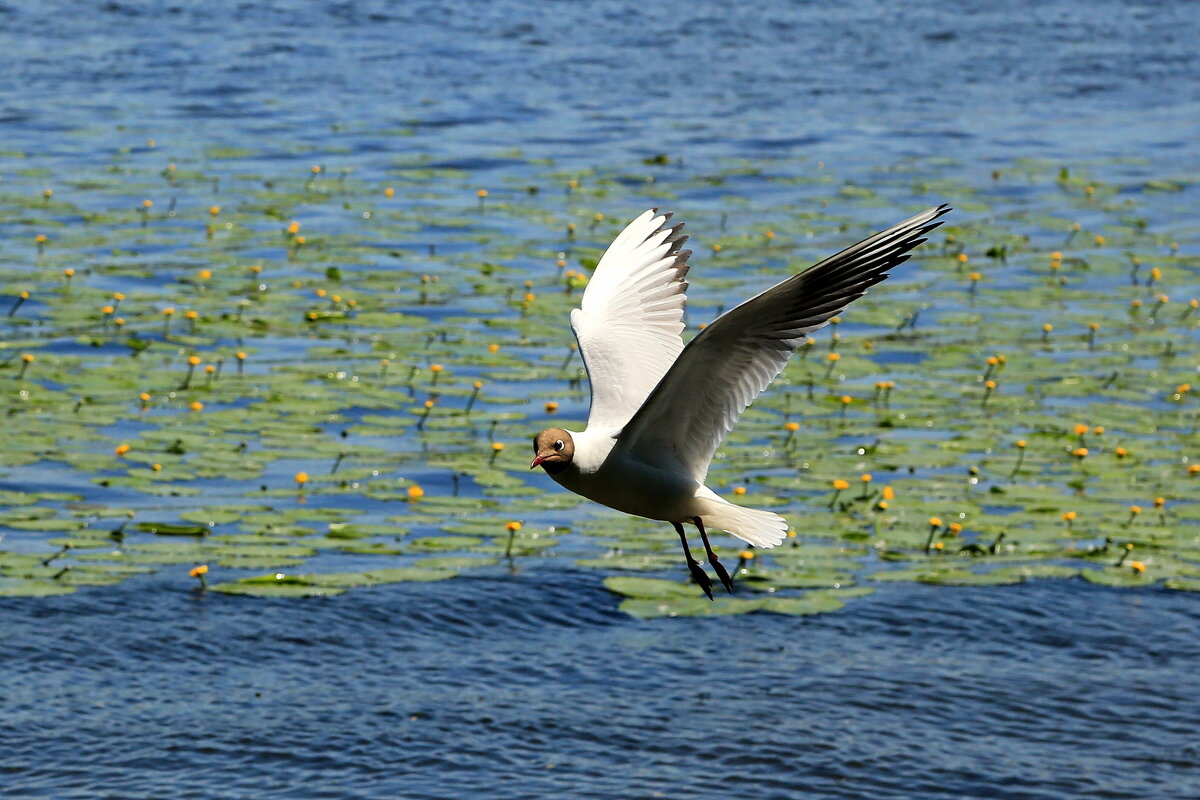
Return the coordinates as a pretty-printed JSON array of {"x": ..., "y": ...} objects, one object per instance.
[{"x": 431, "y": 157}]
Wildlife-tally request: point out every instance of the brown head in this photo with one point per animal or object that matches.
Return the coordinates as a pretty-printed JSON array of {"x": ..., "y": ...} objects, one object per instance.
[{"x": 553, "y": 449}]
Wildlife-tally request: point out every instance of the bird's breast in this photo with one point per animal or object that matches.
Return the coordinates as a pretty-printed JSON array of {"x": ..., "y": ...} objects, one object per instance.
[{"x": 635, "y": 488}]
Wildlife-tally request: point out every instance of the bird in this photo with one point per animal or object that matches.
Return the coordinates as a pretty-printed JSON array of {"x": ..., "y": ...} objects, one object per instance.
[{"x": 660, "y": 408}]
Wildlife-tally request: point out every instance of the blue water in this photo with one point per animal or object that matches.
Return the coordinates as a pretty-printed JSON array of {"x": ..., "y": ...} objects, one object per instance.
[
  {"x": 536, "y": 687},
  {"x": 533, "y": 685},
  {"x": 861, "y": 83}
]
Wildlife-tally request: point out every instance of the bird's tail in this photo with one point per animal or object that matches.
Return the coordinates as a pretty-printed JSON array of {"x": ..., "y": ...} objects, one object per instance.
[{"x": 759, "y": 528}]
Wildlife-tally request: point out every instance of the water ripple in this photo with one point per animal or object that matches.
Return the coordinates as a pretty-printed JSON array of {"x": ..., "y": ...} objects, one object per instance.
[
  {"x": 532, "y": 684},
  {"x": 536, "y": 676}
]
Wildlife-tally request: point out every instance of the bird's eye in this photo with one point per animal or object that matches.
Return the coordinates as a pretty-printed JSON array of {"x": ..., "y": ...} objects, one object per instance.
[{"x": 558, "y": 444}]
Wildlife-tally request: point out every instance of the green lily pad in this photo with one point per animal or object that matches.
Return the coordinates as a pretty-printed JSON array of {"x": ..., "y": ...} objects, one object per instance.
[
  {"x": 33, "y": 588},
  {"x": 645, "y": 608},
  {"x": 805, "y": 605},
  {"x": 436, "y": 544},
  {"x": 172, "y": 528},
  {"x": 1118, "y": 578},
  {"x": 651, "y": 588},
  {"x": 1031, "y": 571},
  {"x": 1183, "y": 584},
  {"x": 962, "y": 577},
  {"x": 275, "y": 590}
]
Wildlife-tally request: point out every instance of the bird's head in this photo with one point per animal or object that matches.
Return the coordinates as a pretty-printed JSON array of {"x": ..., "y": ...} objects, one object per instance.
[{"x": 553, "y": 449}]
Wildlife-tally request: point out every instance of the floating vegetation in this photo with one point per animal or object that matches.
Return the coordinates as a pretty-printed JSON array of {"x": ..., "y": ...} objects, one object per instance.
[{"x": 317, "y": 381}]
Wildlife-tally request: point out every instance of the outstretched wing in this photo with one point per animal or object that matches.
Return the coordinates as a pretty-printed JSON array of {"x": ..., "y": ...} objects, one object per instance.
[
  {"x": 630, "y": 322},
  {"x": 731, "y": 361}
]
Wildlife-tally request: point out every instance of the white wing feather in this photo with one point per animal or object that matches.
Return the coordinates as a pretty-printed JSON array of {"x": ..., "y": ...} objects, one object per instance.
[
  {"x": 630, "y": 321},
  {"x": 732, "y": 361}
]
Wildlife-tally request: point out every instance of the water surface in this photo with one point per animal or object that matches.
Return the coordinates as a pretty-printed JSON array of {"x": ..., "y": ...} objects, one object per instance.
[{"x": 533, "y": 684}]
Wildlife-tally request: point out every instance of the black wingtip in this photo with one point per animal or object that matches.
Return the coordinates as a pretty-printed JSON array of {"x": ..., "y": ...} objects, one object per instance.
[{"x": 934, "y": 220}]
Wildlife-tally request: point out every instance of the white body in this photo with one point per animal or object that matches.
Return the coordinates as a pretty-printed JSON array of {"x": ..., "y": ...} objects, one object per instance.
[{"x": 627, "y": 484}]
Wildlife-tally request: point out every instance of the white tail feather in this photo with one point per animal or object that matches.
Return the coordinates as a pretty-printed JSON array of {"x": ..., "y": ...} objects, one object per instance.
[{"x": 759, "y": 528}]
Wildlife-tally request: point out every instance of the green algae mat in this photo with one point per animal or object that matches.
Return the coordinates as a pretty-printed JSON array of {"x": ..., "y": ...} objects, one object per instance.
[{"x": 303, "y": 382}]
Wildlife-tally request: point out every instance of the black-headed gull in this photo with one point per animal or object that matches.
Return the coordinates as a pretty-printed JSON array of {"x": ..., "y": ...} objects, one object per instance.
[{"x": 659, "y": 408}]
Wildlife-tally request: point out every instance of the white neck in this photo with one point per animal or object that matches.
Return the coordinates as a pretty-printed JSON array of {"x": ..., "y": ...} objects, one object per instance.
[{"x": 591, "y": 449}]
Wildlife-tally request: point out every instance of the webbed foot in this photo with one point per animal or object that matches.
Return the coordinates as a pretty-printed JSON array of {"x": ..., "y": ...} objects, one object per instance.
[
  {"x": 701, "y": 577},
  {"x": 722, "y": 573}
]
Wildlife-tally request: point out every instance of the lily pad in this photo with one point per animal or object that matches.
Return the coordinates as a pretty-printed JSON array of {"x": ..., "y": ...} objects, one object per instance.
[
  {"x": 288, "y": 590},
  {"x": 651, "y": 588},
  {"x": 33, "y": 588}
]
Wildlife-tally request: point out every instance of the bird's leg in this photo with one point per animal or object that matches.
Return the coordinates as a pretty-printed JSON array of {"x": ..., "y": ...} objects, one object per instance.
[
  {"x": 698, "y": 573},
  {"x": 717, "y": 566}
]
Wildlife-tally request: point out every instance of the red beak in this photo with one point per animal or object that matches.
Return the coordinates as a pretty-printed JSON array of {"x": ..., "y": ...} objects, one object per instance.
[{"x": 538, "y": 460}]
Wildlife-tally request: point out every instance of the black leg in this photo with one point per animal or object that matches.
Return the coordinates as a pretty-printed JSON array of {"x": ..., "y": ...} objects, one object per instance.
[
  {"x": 717, "y": 566},
  {"x": 698, "y": 573}
]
